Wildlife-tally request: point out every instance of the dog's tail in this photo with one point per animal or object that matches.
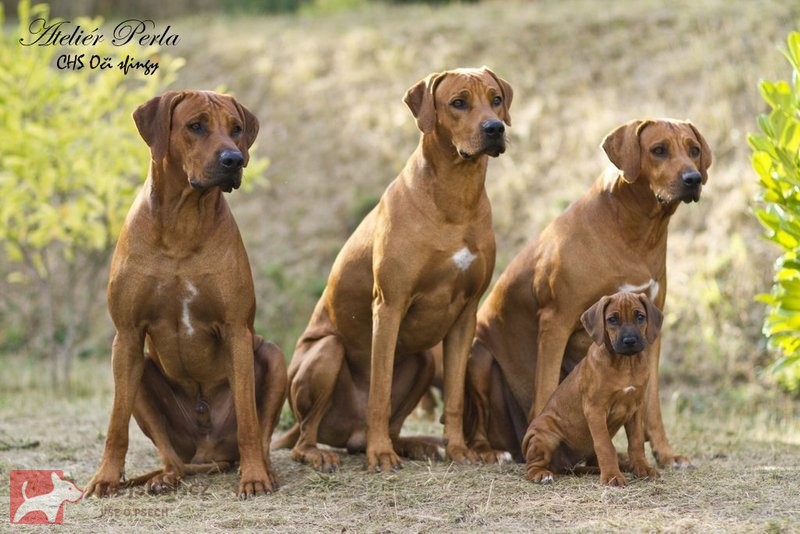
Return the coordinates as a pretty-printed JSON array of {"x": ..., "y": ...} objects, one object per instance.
[{"x": 289, "y": 439}]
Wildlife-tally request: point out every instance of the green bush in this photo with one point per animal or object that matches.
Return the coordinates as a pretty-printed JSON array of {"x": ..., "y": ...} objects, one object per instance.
[
  {"x": 70, "y": 163},
  {"x": 776, "y": 159}
]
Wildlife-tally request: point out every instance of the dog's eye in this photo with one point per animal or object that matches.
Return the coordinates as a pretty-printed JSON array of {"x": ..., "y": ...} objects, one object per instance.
[
  {"x": 694, "y": 152},
  {"x": 496, "y": 101},
  {"x": 659, "y": 151},
  {"x": 613, "y": 320},
  {"x": 640, "y": 318},
  {"x": 459, "y": 103},
  {"x": 196, "y": 126},
  {"x": 237, "y": 130}
]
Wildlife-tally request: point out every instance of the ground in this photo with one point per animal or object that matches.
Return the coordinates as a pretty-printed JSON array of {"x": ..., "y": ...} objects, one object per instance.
[
  {"x": 746, "y": 449},
  {"x": 327, "y": 90}
]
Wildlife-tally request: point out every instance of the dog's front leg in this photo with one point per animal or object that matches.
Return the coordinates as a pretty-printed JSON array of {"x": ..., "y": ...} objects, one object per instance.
[
  {"x": 456, "y": 353},
  {"x": 386, "y": 318},
  {"x": 127, "y": 360},
  {"x": 596, "y": 414},
  {"x": 254, "y": 479}
]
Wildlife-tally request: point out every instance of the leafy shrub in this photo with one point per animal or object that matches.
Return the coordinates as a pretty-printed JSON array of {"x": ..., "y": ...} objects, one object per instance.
[
  {"x": 70, "y": 163},
  {"x": 776, "y": 159}
]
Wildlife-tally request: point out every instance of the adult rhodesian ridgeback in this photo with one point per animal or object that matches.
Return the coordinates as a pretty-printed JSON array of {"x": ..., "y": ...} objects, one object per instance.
[
  {"x": 613, "y": 238},
  {"x": 603, "y": 392},
  {"x": 208, "y": 391},
  {"x": 408, "y": 278}
]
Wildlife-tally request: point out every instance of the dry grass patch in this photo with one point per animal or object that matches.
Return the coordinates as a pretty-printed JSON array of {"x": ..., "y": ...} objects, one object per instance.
[{"x": 746, "y": 447}]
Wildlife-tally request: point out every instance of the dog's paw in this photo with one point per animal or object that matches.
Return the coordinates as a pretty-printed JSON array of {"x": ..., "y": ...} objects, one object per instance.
[
  {"x": 645, "y": 471},
  {"x": 613, "y": 478},
  {"x": 254, "y": 488},
  {"x": 673, "y": 461},
  {"x": 324, "y": 461},
  {"x": 488, "y": 455},
  {"x": 104, "y": 483},
  {"x": 461, "y": 454},
  {"x": 163, "y": 482},
  {"x": 540, "y": 476},
  {"x": 383, "y": 461}
]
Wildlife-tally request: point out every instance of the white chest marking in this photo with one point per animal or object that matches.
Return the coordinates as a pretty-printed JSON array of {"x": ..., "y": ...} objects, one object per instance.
[
  {"x": 652, "y": 286},
  {"x": 185, "y": 318},
  {"x": 464, "y": 258},
  {"x": 629, "y": 389}
]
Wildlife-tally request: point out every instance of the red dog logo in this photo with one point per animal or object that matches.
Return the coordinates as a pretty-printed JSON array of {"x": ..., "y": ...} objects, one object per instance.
[{"x": 38, "y": 497}]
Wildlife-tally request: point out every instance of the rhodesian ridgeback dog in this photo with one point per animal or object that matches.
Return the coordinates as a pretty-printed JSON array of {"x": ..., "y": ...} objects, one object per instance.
[
  {"x": 208, "y": 391},
  {"x": 529, "y": 334},
  {"x": 603, "y": 392},
  {"x": 408, "y": 278}
]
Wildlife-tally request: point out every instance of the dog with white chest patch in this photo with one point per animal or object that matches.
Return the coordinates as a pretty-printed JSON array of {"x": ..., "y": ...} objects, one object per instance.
[
  {"x": 604, "y": 392},
  {"x": 408, "y": 278},
  {"x": 614, "y": 238}
]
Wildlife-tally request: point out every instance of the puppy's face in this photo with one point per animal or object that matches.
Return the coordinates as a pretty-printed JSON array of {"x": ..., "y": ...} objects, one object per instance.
[
  {"x": 467, "y": 108},
  {"x": 624, "y": 322}
]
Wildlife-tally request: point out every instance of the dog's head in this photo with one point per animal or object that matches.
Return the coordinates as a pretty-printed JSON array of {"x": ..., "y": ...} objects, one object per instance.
[
  {"x": 671, "y": 155},
  {"x": 625, "y": 323},
  {"x": 205, "y": 134},
  {"x": 465, "y": 108}
]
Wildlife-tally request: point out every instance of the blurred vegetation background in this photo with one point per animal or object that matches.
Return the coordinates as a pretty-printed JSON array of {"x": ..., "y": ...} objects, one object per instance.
[{"x": 326, "y": 79}]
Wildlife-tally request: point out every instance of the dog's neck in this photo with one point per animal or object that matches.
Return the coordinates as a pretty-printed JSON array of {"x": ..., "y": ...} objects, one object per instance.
[
  {"x": 638, "y": 213},
  {"x": 182, "y": 214},
  {"x": 455, "y": 185}
]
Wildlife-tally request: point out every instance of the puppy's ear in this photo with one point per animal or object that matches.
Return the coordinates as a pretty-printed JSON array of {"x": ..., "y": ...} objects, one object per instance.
[
  {"x": 420, "y": 100},
  {"x": 622, "y": 148},
  {"x": 705, "y": 152},
  {"x": 154, "y": 121},
  {"x": 654, "y": 318},
  {"x": 507, "y": 93},
  {"x": 594, "y": 321},
  {"x": 250, "y": 125}
]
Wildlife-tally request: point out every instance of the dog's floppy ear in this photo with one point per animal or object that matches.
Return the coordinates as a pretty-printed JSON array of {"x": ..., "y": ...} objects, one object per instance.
[
  {"x": 594, "y": 321},
  {"x": 507, "y": 93},
  {"x": 654, "y": 318},
  {"x": 420, "y": 100},
  {"x": 705, "y": 152},
  {"x": 250, "y": 128},
  {"x": 622, "y": 148},
  {"x": 154, "y": 120}
]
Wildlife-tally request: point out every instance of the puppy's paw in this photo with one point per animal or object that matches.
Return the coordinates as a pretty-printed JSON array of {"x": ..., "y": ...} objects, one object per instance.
[{"x": 540, "y": 476}]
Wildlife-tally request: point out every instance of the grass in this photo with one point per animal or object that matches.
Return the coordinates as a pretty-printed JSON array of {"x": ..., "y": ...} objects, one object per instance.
[
  {"x": 746, "y": 447},
  {"x": 328, "y": 91}
]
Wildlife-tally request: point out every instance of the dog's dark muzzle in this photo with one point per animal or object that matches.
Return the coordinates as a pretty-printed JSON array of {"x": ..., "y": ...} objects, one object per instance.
[
  {"x": 494, "y": 135},
  {"x": 629, "y": 342},
  {"x": 692, "y": 186}
]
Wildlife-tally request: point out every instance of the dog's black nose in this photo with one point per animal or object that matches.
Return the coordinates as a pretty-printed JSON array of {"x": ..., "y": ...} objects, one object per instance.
[
  {"x": 630, "y": 341},
  {"x": 231, "y": 159},
  {"x": 493, "y": 128},
  {"x": 691, "y": 178}
]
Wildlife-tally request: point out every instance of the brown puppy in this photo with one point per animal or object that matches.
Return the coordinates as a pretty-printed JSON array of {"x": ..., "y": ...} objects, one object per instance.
[
  {"x": 408, "y": 278},
  {"x": 180, "y": 281},
  {"x": 613, "y": 238},
  {"x": 603, "y": 392}
]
